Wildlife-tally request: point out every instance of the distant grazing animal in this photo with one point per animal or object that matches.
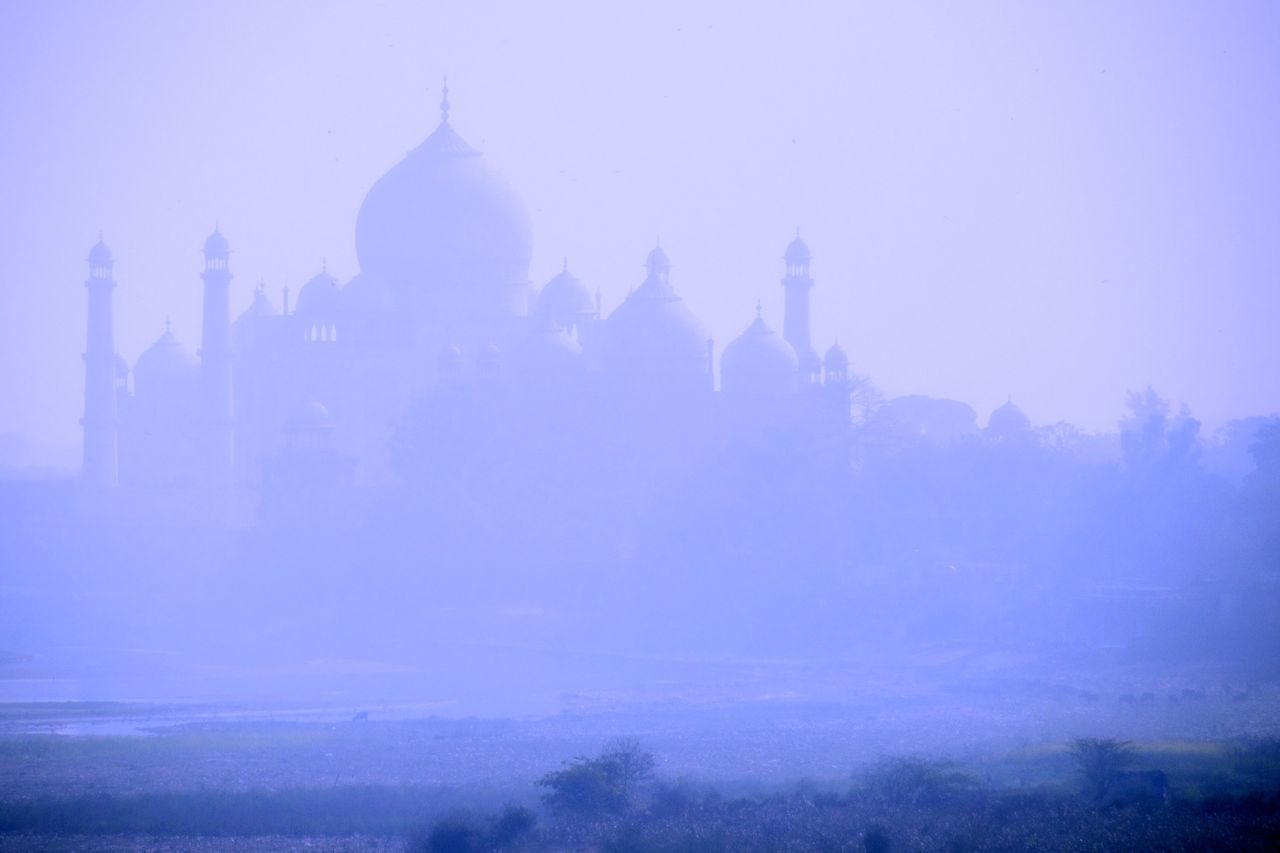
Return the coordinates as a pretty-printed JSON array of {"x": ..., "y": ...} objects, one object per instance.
[{"x": 360, "y": 717}]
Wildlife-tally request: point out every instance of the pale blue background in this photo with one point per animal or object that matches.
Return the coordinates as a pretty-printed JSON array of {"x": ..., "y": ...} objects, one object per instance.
[{"x": 1058, "y": 202}]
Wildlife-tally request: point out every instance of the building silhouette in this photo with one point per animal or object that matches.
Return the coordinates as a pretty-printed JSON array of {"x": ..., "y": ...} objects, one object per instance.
[{"x": 313, "y": 393}]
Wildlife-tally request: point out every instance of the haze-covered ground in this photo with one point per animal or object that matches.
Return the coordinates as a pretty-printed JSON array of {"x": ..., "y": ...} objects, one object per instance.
[
  {"x": 79, "y": 775},
  {"x": 391, "y": 687}
]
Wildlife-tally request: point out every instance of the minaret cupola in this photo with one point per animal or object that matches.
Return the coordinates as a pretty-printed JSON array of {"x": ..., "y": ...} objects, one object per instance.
[{"x": 795, "y": 322}]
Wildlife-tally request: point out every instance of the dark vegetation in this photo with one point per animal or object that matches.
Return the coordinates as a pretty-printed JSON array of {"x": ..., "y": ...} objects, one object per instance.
[
  {"x": 1098, "y": 796},
  {"x": 901, "y": 803}
]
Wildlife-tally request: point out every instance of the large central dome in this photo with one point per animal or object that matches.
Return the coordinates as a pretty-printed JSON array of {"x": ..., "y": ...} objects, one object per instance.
[{"x": 440, "y": 225}]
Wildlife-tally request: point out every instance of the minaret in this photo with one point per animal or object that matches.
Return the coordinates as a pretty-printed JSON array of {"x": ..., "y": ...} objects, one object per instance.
[
  {"x": 215, "y": 363},
  {"x": 99, "y": 467},
  {"x": 795, "y": 322},
  {"x": 835, "y": 382}
]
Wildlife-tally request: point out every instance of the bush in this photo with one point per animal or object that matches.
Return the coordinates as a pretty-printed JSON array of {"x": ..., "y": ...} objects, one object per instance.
[
  {"x": 602, "y": 785},
  {"x": 1100, "y": 762},
  {"x": 455, "y": 835},
  {"x": 514, "y": 822}
]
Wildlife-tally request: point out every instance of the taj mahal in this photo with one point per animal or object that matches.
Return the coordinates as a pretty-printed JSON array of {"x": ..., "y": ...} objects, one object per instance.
[{"x": 312, "y": 388}]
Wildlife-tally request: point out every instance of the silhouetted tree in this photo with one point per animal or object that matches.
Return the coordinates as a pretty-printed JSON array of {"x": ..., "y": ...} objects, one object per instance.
[
  {"x": 1153, "y": 439},
  {"x": 514, "y": 822},
  {"x": 1100, "y": 762},
  {"x": 455, "y": 835},
  {"x": 605, "y": 784},
  {"x": 865, "y": 399},
  {"x": 1265, "y": 450}
]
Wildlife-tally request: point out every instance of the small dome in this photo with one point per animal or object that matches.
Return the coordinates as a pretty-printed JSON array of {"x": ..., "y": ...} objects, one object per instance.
[
  {"x": 653, "y": 335},
  {"x": 657, "y": 262},
  {"x": 836, "y": 358},
  {"x": 565, "y": 300},
  {"x": 165, "y": 360},
  {"x": 1008, "y": 421},
  {"x": 261, "y": 306},
  {"x": 319, "y": 296},
  {"x": 489, "y": 354},
  {"x": 309, "y": 415},
  {"x": 758, "y": 361},
  {"x": 797, "y": 251},
  {"x": 100, "y": 255},
  {"x": 216, "y": 246}
]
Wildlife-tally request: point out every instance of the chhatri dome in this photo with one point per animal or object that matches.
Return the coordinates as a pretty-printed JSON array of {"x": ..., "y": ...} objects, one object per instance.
[
  {"x": 319, "y": 296},
  {"x": 797, "y": 251},
  {"x": 836, "y": 358},
  {"x": 163, "y": 364},
  {"x": 216, "y": 245},
  {"x": 262, "y": 306},
  {"x": 442, "y": 223},
  {"x": 1008, "y": 422},
  {"x": 565, "y": 301},
  {"x": 654, "y": 337},
  {"x": 100, "y": 255},
  {"x": 758, "y": 361}
]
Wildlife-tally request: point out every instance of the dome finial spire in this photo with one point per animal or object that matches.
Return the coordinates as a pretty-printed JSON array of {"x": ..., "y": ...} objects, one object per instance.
[
  {"x": 759, "y": 310},
  {"x": 566, "y": 263},
  {"x": 167, "y": 324},
  {"x": 444, "y": 101}
]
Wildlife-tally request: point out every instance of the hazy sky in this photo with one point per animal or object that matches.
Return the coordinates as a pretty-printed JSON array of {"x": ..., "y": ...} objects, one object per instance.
[{"x": 1058, "y": 203}]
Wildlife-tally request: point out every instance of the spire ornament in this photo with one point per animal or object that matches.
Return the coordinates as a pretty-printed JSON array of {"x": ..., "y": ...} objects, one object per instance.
[{"x": 444, "y": 101}]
